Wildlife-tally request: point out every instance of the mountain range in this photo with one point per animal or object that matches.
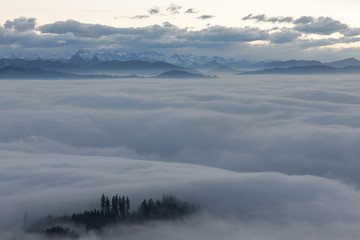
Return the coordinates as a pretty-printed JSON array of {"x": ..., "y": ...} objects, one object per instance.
[
  {"x": 183, "y": 60},
  {"x": 350, "y": 65},
  {"x": 37, "y": 73},
  {"x": 106, "y": 64},
  {"x": 182, "y": 74},
  {"x": 312, "y": 69},
  {"x": 204, "y": 63}
]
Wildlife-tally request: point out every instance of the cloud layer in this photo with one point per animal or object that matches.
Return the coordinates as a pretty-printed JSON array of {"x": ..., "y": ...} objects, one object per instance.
[
  {"x": 233, "y": 205},
  {"x": 290, "y": 142},
  {"x": 23, "y": 36},
  {"x": 308, "y": 129}
]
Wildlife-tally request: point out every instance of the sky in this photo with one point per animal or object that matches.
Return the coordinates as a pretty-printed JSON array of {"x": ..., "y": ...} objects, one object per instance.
[
  {"x": 256, "y": 30},
  {"x": 228, "y": 13}
]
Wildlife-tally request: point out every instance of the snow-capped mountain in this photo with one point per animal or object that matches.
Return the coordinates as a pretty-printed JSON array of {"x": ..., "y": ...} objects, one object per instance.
[{"x": 188, "y": 60}]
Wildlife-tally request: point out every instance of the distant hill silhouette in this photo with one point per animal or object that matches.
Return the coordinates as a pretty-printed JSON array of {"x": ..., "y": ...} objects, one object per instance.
[
  {"x": 36, "y": 73},
  {"x": 181, "y": 74},
  {"x": 349, "y": 62},
  {"x": 76, "y": 64},
  {"x": 31, "y": 73},
  {"x": 42, "y": 64},
  {"x": 344, "y": 63},
  {"x": 316, "y": 69},
  {"x": 293, "y": 63}
]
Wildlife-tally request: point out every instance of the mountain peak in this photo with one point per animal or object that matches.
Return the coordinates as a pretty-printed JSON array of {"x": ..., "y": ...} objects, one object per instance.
[
  {"x": 94, "y": 61},
  {"x": 77, "y": 59},
  {"x": 345, "y": 62},
  {"x": 352, "y": 59}
]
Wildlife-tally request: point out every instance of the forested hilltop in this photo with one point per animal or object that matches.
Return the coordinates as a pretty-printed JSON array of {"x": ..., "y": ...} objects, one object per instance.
[{"x": 113, "y": 211}]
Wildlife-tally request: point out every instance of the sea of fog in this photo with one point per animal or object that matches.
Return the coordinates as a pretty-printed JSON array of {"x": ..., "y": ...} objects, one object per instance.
[{"x": 265, "y": 157}]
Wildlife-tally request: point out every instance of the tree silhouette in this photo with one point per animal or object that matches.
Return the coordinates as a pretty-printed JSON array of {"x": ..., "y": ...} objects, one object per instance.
[
  {"x": 122, "y": 206},
  {"x": 102, "y": 204},
  {"x": 144, "y": 209},
  {"x": 117, "y": 212},
  {"x": 107, "y": 206},
  {"x": 127, "y": 208},
  {"x": 114, "y": 206}
]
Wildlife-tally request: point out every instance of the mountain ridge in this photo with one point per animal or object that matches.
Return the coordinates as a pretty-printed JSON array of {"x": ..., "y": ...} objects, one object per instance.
[
  {"x": 312, "y": 69},
  {"x": 94, "y": 66},
  {"x": 182, "y": 74}
]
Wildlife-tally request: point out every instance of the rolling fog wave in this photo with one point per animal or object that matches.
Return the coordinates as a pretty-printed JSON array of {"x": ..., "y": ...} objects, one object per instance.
[{"x": 265, "y": 157}]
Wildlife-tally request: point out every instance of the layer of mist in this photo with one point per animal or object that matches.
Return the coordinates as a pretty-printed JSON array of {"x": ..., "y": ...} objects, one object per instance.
[{"x": 264, "y": 157}]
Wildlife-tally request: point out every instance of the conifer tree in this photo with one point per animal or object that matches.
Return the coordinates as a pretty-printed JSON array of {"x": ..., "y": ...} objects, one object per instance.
[
  {"x": 122, "y": 206},
  {"x": 127, "y": 208},
  {"x": 102, "y": 204},
  {"x": 144, "y": 209},
  {"x": 107, "y": 206},
  {"x": 114, "y": 206},
  {"x": 151, "y": 208}
]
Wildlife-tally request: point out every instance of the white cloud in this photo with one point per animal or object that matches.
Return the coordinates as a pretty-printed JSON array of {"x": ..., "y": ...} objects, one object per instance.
[
  {"x": 278, "y": 204},
  {"x": 293, "y": 141},
  {"x": 310, "y": 129}
]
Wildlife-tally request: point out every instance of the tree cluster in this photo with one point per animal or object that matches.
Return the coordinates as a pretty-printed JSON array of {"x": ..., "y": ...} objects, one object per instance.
[
  {"x": 167, "y": 208},
  {"x": 116, "y": 210}
]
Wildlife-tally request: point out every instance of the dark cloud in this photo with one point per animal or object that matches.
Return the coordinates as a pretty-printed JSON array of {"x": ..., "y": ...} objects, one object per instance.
[
  {"x": 260, "y": 17},
  {"x": 304, "y": 20},
  {"x": 78, "y": 29},
  {"x": 205, "y": 17},
  {"x": 321, "y": 25},
  {"x": 154, "y": 11},
  {"x": 281, "y": 19},
  {"x": 308, "y": 24},
  {"x": 67, "y": 36},
  {"x": 324, "y": 26},
  {"x": 284, "y": 36},
  {"x": 264, "y": 18},
  {"x": 140, "y": 17},
  {"x": 174, "y": 9},
  {"x": 159, "y": 34},
  {"x": 168, "y": 25},
  {"x": 191, "y": 10},
  {"x": 21, "y": 24},
  {"x": 351, "y": 32},
  {"x": 31, "y": 39}
]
